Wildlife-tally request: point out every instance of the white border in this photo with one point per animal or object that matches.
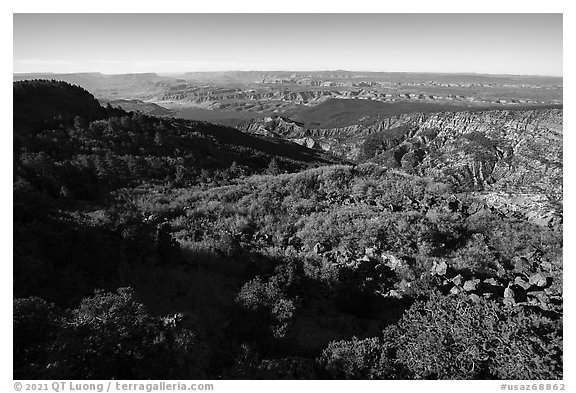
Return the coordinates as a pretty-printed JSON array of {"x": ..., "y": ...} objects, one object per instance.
[{"x": 302, "y": 6}]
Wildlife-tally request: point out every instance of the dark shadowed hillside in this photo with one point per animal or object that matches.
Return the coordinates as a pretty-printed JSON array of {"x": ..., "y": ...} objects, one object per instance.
[{"x": 40, "y": 101}]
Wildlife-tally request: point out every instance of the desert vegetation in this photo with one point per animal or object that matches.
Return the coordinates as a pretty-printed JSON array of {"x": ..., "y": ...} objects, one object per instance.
[{"x": 150, "y": 247}]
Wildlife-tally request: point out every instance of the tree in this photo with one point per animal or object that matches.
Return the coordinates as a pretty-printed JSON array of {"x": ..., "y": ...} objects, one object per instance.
[
  {"x": 273, "y": 167},
  {"x": 159, "y": 138},
  {"x": 80, "y": 123},
  {"x": 111, "y": 335}
]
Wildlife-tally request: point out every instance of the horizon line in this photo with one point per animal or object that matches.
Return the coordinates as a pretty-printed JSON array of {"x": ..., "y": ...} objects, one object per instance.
[{"x": 280, "y": 70}]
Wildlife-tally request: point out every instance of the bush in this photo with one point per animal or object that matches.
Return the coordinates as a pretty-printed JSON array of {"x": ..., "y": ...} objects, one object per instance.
[
  {"x": 454, "y": 338},
  {"x": 354, "y": 359},
  {"x": 35, "y": 324},
  {"x": 457, "y": 338},
  {"x": 110, "y": 335}
]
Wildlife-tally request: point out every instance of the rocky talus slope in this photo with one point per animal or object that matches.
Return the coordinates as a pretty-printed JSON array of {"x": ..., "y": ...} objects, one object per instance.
[{"x": 513, "y": 158}]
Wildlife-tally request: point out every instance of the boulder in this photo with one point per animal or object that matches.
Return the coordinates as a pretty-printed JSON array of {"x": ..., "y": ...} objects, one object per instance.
[
  {"x": 456, "y": 290},
  {"x": 394, "y": 293},
  {"x": 475, "y": 298},
  {"x": 521, "y": 264},
  {"x": 439, "y": 268},
  {"x": 365, "y": 258},
  {"x": 522, "y": 283},
  {"x": 391, "y": 261},
  {"x": 540, "y": 299},
  {"x": 458, "y": 280},
  {"x": 352, "y": 264},
  {"x": 540, "y": 295},
  {"x": 371, "y": 252},
  {"x": 553, "y": 291},
  {"x": 492, "y": 281},
  {"x": 319, "y": 249},
  {"x": 531, "y": 252},
  {"x": 471, "y": 285},
  {"x": 546, "y": 266},
  {"x": 538, "y": 279}
]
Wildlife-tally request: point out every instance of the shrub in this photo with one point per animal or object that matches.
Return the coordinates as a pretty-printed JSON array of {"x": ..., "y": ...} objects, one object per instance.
[
  {"x": 457, "y": 338},
  {"x": 110, "y": 335},
  {"x": 35, "y": 324},
  {"x": 354, "y": 359}
]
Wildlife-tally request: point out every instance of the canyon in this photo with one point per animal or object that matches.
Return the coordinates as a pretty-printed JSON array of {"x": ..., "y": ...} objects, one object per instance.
[{"x": 512, "y": 158}]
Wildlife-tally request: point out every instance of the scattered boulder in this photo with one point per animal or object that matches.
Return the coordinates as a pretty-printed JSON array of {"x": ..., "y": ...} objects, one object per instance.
[
  {"x": 475, "y": 298},
  {"x": 319, "y": 249},
  {"x": 546, "y": 266},
  {"x": 553, "y": 291},
  {"x": 471, "y": 285},
  {"x": 371, "y": 252},
  {"x": 488, "y": 295},
  {"x": 509, "y": 293},
  {"x": 539, "y": 298},
  {"x": 519, "y": 281},
  {"x": 458, "y": 280},
  {"x": 455, "y": 290},
  {"x": 439, "y": 268},
  {"x": 365, "y": 258},
  {"x": 522, "y": 264},
  {"x": 391, "y": 261},
  {"x": 540, "y": 295},
  {"x": 394, "y": 293},
  {"x": 539, "y": 280},
  {"x": 352, "y": 264},
  {"x": 492, "y": 281}
]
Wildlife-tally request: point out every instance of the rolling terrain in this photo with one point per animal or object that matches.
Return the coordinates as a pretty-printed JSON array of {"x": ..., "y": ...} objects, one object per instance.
[
  {"x": 512, "y": 158},
  {"x": 320, "y": 237},
  {"x": 236, "y": 96}
]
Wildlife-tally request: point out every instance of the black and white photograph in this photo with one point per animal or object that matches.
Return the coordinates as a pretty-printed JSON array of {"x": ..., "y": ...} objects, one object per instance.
[{"x": 287, "y": 196}]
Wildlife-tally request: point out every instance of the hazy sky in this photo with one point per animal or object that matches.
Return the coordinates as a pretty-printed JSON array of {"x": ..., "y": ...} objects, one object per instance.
[{"x": 124, "y": 43}]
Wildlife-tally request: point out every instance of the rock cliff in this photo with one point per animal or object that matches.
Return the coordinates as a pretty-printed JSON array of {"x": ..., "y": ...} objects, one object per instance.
[{"x": 513, "y": 157}]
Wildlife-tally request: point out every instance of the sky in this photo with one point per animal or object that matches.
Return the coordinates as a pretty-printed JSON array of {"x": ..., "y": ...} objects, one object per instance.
[{"x": 526, "y": 44}]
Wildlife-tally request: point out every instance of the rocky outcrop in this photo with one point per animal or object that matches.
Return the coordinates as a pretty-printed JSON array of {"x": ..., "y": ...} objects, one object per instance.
[
  {"x": 284, "y": 90},
  {"x": 190, "y": 93},
  {"x": 535, "y": 284},
  {"x": 511, "y": 158}
]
